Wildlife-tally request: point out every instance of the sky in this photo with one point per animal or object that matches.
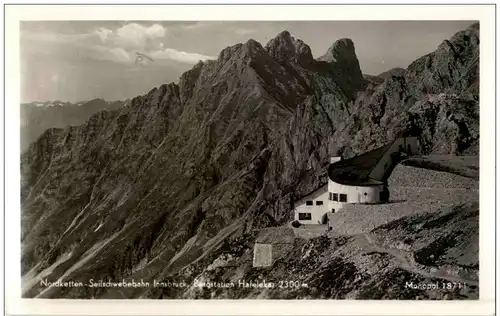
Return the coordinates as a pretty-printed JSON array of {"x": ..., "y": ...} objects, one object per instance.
[{"x": 82, "y": 60}]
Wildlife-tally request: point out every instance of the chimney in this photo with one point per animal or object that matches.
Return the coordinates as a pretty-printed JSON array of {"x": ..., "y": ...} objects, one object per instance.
[{"x": 335, "y": 159}]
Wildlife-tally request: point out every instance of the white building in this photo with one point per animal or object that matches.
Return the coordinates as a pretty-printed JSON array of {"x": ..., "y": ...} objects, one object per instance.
[
  {"x": 361, "y": 179},
  {"x": 312, "y": 208}
]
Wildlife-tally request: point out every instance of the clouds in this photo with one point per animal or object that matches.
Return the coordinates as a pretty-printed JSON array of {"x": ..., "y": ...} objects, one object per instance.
[
  {"x": 180, "y": 56},
  {"x": 117, "y": 44},
  {"x": 137, "y": 36},
  {"x": 130, "y": 38},
  {"x": 82, "y": 60},
  {"x": 103, "y": 33},
  {"x": 116, "y": 54},
  {"x": 135, "y": 30}
]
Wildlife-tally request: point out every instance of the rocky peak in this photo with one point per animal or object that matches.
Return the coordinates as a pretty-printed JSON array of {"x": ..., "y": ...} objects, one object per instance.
[
  {"x": 250, "y": 49},
  {"x": 253, "y": 46},
  {"x": 341, "y": 49},
  {"x": 345, "y": 65},
  {"x": 343, "y": 52},
  {"x": 286, "y": 48},
  {"x": 229, "y": 51}
]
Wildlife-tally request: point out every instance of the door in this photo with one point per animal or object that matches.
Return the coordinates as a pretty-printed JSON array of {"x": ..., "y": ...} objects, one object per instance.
[
  {"x": 384, "y": 195},
  {"x": 324, "y": 219}
]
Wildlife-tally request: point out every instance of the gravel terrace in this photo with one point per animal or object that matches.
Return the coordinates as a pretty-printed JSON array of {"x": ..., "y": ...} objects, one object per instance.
[{"x": 413, "y": 190}]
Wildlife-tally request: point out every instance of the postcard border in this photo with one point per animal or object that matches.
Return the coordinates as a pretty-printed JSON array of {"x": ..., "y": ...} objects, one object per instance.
[{"x": 61, "y": 306}]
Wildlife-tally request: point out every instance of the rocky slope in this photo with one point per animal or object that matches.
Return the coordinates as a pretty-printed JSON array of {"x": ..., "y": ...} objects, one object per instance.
[
  {"x": 392, "y": 72},
  {"x": 380, "y": 78},
  {"x": 163, "y": 184},
  {"x": 435, "y": 98},
  {"x": 37, "y": 117},
  {"x": 425, "y": 256}
]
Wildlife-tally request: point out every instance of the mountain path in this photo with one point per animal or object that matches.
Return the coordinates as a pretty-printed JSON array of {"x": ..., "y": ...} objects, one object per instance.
[{"x": 406, "y": 261}]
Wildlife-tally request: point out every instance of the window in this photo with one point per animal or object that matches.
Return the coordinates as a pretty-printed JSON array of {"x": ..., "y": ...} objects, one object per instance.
[
  {"x": 309, "y": 202},
  {"x": 343, "y": 198},
  {"x": 319, "y": 202},
  {"x": 333, "y": 210},
  {"x": 304, "y": 216},
  {"x": 366, "y": 194},
  {"x": 335, "y": 197},
  {"x": 330, "y": 196}
]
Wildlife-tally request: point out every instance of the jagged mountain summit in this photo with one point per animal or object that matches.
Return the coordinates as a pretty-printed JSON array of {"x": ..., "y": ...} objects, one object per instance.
[{"x": 156, "y": 189}]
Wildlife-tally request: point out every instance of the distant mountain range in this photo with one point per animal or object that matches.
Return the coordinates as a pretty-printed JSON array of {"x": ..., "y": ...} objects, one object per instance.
[
  {"x": 158, "y": 189},
  {"x": 36, "y": 117}
]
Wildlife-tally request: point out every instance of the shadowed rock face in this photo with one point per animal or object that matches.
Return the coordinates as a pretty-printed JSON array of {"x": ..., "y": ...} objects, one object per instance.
[
  {"x": 345, "y": 65},
  {"x": 146, "y": 190},
  {"x": 392, "y": 72}
]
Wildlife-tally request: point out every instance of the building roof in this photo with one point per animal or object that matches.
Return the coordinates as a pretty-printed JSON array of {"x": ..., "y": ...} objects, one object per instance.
[
  {"x": 356, "y": 170},
  {"x": 319, "y": 190}
]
